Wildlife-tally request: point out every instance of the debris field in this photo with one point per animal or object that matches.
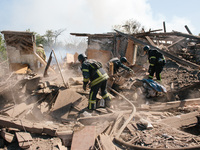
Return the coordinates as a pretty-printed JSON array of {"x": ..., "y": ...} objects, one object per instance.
[{"x": 46, "y": 108}]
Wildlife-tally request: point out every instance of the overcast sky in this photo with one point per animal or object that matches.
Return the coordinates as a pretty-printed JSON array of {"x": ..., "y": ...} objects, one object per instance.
[{"x": 97, "y": 16}]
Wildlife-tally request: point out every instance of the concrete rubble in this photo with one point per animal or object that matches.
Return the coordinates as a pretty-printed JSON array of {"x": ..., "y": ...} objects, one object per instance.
[{"x": 38, "y": 112}]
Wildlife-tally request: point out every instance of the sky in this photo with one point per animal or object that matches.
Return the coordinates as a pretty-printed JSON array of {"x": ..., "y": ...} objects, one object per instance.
[{"x": 97, "y": 16}]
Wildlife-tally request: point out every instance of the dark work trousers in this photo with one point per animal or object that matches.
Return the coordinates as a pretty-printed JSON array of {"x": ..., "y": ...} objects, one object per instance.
[
  {"x": 93, "y": 93},
  {"x": 156, "y": 69}
]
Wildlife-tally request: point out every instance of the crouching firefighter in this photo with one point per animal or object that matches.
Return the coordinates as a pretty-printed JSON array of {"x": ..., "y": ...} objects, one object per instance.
[
  {"x": 157, "y": 62},
  {"x": 92, "y": 71}
]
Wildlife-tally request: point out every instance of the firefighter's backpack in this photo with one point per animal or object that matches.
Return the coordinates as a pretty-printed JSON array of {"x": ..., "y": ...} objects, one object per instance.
[{"x": 95, "y": 64}]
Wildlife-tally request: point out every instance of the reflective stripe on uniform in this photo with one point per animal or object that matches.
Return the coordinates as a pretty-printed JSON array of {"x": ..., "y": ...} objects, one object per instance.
[
  {"x": 106, "y": 95},
  {"x": 91, "y": 101},
  {"x": 151, "y": 77},
  {"x": 151, "y": 64},
  {"x": 86, "y": 80},
  {"x": 99, "y": 73},
  {"x": 92, "y": 66},
  {"x": 85, "y": 70},
  {"x": 152, "y": 57},
  {"x": 160, "y": 76},
  {"x": 99, "y": 79},
  {"x": 90, "y": 95}
]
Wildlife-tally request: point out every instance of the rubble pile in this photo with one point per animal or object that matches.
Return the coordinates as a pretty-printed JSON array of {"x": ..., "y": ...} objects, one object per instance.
[{"x": 41, "y": 112}]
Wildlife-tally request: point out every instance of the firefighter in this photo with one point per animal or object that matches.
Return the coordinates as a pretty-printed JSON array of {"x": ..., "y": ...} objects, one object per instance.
[
  {"x": 119, "y": 63},
  {"x": 157, "y": 62},
  {"x": 40, "y": 51},
  {"x": 92, "y": 71}
]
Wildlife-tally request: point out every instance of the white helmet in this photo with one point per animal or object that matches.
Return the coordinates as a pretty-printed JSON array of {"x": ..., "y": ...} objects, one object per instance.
[{"x": 40, "y": 45}]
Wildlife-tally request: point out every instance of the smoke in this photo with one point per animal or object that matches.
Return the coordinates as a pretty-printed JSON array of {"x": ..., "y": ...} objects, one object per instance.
[{"x": 84, "y": 16}]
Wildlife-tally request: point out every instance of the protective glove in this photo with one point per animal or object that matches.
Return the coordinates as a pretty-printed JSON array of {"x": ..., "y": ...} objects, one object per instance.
[
  {"x": 84, "y": 87},
  {"x": 160, "y": 60}
]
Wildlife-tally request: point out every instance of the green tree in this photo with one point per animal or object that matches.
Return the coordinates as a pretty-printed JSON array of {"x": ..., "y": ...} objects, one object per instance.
[
  {"x": 130, "y": 26},
  {"x": 51, "y": 37},
  {"x": 40, "y": 39},
  {"x": 3, "y": 53}
]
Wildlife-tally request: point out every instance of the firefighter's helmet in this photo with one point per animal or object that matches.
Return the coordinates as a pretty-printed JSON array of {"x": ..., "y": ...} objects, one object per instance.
[
  {"x": 81, "y": 57},
  {"x": 146, "y": 48},
  {"x": 40, "y": 45},
  {"x": 123, "y": 59}
]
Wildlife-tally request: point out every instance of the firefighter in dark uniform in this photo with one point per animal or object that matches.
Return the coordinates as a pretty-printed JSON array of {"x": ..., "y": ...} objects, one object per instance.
[
  {"x": 157, "y": 62},
  {"x": 119, "y": 63},
  {"x": 92, "y": 71}
]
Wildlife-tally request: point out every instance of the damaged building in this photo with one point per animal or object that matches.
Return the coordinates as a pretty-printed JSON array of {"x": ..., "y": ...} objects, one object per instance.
[{"x": 43, "y": 113}]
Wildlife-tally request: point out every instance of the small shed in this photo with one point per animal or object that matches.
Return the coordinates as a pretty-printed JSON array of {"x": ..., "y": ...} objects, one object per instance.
[
  {"x": 20, "y": 47},
  {"x": 103, "y": 47}
]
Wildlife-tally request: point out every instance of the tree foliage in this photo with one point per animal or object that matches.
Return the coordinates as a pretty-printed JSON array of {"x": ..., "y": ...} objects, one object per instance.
[
  {"x": 51, "y": 37},
  {"x": 76, "y": 44},
  {"x": 129, "y": 26},
  {"x": 40, "y": 40},
  {"x": 3, "y": 53}
]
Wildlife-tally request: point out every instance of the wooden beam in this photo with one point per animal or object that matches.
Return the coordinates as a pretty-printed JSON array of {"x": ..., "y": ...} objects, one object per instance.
[
  {"x": 106, "y": 142},
  {"x": 164, "y": 27},
  {"x": 138, "y": 147},
  {"x": 181, "y": 120},
  {"x": 186, "y": 35},
  {"x": 17, "y": 32},
  {"x": 178, "y": 60},
  {"x": 84, "y": 138},
  {"x": 188, "y": 30},
  {"x": 150, "y": 41},
  {"x": 175, "y": 43},
  {"x": 43, "y": 62},
  {"x": 174, "y": 104}
]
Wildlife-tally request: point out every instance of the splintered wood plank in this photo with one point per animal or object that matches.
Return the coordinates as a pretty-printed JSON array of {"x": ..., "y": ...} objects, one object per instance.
[
  {"x": 19, "y": 68},
  {"x": 131, "y": 129},
  {"x": 24, "y": 139},
  {"x": 64, "y": 102},
  {"x": 116, "y": 124},
  {"x": 66, "y": 97},
  {"x": 84, "y": 139},
  {"x": 81, "y": 104},
  {"x": 130, "y": 51},
  {"x": 175, "y": 104},
  {"x": 106, "y": 142},
  {"x": 182, "y": 120},
  {"x": 102, "y": 127},
  {"x": 7, "y": 136},
  {"x": 18, "y": 109}
]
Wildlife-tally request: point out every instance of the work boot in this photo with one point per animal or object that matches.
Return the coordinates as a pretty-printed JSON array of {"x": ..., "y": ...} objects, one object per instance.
[
  {"x": 108, "y": 103},
  {"x": 101, "y": 103}
]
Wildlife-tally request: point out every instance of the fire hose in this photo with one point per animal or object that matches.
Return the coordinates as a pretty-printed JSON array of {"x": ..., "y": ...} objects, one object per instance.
[
  {"x": 131, "y": 115},
  {"x": 118, "y": 140}
]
